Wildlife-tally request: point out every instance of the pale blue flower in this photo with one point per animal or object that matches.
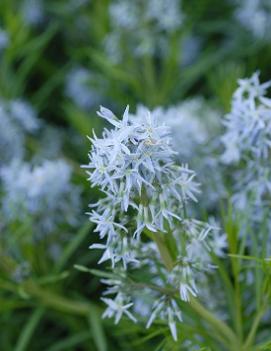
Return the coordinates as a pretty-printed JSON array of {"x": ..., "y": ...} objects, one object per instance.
[
  {"x": 17, "y": 119},
  {"x": 247, "y": 141},
  {"x": 168, "y": 310},
  {"x": 130, "y": 158},
  {"x": 255, "y": 16},
  {"x": 144, "y": 26},
  {"x": 166, "y": 13},
  {"x": 248, "y": 125},
  {"x": 49, "y": 201},
  {"x": 33, "y": 11},
  {"x": 145, "y": 191},
  {"x": 124, "y": 14},
  {"x": 81, "y": 87},
  {"x": 4, "y": 39},
  {"x": 24, "y": 114},
  {"x": 117, "y": 308},
  {"x": 195, "y": 128}
]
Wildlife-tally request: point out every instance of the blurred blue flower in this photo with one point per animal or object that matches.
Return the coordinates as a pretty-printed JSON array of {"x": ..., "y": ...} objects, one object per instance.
[
  {"x": 17, "y": 119},
  {"x": 255, "y": 16},
  {"x": 81, "y": 87},
  {"x": 32, "y": 11},
  {"x": 4, "y": 39},
  {"x": 44, "y": 194}
]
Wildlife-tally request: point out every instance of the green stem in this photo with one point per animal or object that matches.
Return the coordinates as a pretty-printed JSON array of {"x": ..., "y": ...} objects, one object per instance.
[
  {"x": 57, "y": 302},
  {"x": 29, "y": 330},
  {"x": 254, "y": 327},
  {"x": 238, "y": 321},
  {"x": 228, "y": 336},
  {"x": 73, "y": 245},
  {"x": 232, "y": 231},
  {"x": 218, "y": 325},
  {"x": 162, "y": 248}
]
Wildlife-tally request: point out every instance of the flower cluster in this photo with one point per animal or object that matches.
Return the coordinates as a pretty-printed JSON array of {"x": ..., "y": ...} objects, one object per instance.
[
  {"x": 32, "y": 12},
  {"x": 247, "y": 141},
  {"x": 37, "y": 195},
  {"x": 193, "y": 123},
  {"x": 147, "y": 193},
  {"x": 133, "y": 165},
  {"x": 17, "y": 118},
  {"x": 255, "y": 16},
  {"x": 49, "y": 201},
  {"x": 80, "y": 87},
  {"x": 194, "y": 127},
  {"x": 144, "y": 21},
  {"x": 248, "y": 125},
  {"x": 4, "y": 39}
]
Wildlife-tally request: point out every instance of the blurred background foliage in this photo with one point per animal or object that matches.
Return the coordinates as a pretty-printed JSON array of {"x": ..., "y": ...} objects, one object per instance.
[{"x": 65, "y": 58}]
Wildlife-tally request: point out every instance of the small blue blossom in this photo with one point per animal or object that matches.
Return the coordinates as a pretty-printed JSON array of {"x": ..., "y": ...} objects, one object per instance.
[
  {"x": 24, "y": 114},
  {"x": 33, "y": 12},
  {"x": 17, "y": 119},
  {"x": 168, "y": 310},
  {"x": 255, "y": 16},
  {"x": 4, "y": 39},
  {"x": 81, "y": 87},
  {"x": 117, "y": 308}
]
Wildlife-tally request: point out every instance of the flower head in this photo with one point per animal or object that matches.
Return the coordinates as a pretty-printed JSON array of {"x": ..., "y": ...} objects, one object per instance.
[{"x": 146, "y": 193}]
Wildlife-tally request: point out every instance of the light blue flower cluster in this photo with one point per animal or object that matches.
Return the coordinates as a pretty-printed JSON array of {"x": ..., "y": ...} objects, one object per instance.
[
  {"x": 146, "y": 192},
  {"x": 33, "y": 11},
  {"x": 255, "y": 16},
  {"x": 247, "y": 141},
  {"x": 133, "y": 165},
  {"x": 37, "y": 195},
  {"x": 4, "y": 39},
  {"x": 248, "y": 126},
  {"x": 42, "y": 194},
  {"x": 17, "y": 119},
  {"x": 80, "y": 87},
  {"x": 144, "y": 21},
  {"x": 194, "y": 127},
  {"x": 192, "y": 124}
]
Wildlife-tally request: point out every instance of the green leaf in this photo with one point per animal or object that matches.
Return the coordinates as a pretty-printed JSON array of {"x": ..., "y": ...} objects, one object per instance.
[
  {"x": 32, "y": 53},
  {"x": 113, "y": 71},
  {"x": 97, "y": 331},
  {"x": 73, "y": 246},
  {"x": 78, "y": 119},
  {"x": 245, "y": 257},
  {"x": 81, "y": 268},
  {"x": 29, "y": 329},
  {"x": 102, "y": 274},
  {"x": 70, "y": 342},
  {"x": 52, "y": 278}
]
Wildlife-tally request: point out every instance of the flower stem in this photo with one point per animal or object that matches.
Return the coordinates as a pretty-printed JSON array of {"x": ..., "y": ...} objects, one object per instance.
[
  {"x": 218, "y": 325},
  {"x": 162, "y": 248},
  {"x": 230, "y": 339}
]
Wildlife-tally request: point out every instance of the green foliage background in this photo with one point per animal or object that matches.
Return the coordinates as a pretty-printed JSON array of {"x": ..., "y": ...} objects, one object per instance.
[{"x": 58, "y": 308}]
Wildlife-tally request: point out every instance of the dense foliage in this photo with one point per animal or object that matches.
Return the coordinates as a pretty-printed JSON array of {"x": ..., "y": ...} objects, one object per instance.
[{"x": 172, "y": 239}]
